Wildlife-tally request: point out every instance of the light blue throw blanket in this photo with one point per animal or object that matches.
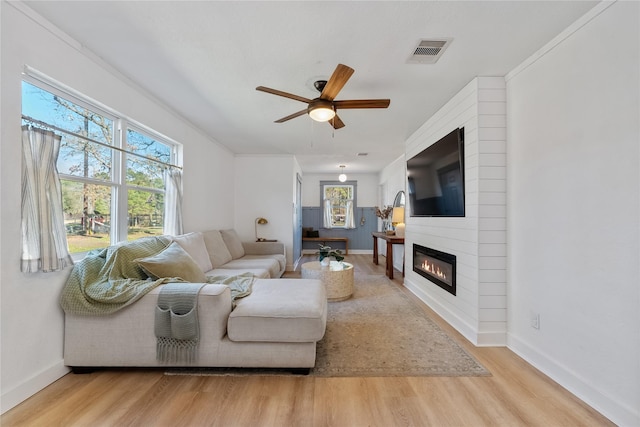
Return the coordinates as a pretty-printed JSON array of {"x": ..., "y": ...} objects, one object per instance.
[{"x": 109, "y": 279}]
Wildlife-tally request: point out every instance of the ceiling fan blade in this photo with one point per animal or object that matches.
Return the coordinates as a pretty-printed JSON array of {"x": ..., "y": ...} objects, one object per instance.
[
  {"x": 336, "y": 82},
  {"x": 336, "y": 122},
  {"x": 285, "y": 94},
  {"x": 361, "y": 103},
  {"x": 292, "y": 116}
]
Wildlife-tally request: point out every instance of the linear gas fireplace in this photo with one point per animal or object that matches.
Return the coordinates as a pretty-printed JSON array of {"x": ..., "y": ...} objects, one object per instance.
[{"x": 438, "y": 267}]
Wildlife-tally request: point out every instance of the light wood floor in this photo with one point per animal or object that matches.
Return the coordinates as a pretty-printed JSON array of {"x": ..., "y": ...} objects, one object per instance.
[{"x": 515, "y": 395}]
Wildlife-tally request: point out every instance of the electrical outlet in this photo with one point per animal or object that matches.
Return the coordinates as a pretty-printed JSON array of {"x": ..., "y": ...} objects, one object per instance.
[{"x": 535, "y": 320}]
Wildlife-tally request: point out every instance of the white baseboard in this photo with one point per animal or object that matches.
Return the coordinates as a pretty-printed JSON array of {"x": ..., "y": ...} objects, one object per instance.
[
  {"x": 361, "y": 252},
  {"x": 32, "y": 385},
  {"x": 351, "y": 252},
  {"x": 608, "y": 406},
  {"x": 461, "y": 326},
  {"x": 478, "y": 338},
  {"x": 492, "y": 339}
]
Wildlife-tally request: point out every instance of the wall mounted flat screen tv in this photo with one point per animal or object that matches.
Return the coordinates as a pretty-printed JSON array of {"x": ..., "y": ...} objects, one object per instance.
[{"x": 436, "y": 178}]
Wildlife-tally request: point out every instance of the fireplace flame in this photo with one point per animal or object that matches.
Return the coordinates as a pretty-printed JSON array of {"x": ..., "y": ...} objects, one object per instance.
[{"x": 433, "y": 269}]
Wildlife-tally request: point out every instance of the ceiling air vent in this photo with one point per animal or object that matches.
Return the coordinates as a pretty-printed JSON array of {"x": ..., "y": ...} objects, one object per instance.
[{"x": 429, "y": 51}]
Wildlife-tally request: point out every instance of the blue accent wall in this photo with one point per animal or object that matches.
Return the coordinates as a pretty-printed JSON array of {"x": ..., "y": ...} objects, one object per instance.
[{"x": 359, "y": 237}]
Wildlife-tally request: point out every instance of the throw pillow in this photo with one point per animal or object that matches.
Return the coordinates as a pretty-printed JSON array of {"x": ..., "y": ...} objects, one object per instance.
[
  {"x": 218, "y": 252},
  {"x": 233, "y": 242},
  {"x": 173, "y": 261},
  {"x": 194, "y": 244}
]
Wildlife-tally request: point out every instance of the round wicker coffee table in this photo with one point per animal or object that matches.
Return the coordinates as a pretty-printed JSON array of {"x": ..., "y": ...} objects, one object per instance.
[{"x": 337, "y": 278}]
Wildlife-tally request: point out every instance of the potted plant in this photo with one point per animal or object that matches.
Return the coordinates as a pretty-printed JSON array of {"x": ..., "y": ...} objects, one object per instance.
[{"x": 325, "y": 253}]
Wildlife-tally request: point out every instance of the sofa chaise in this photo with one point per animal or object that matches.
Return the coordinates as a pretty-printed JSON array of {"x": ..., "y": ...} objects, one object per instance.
[{"x": 275, "y": 324}]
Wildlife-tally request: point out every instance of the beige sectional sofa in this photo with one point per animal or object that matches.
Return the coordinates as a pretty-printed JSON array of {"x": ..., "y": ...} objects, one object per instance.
[
  {"x": 276, "y": 326},
  {"x": 229, "y": 255}
]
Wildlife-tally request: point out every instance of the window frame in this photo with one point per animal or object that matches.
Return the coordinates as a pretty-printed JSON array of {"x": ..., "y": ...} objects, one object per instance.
[
  {"x": 119, "y": 154},
  {"x": 323, "y": 184}
]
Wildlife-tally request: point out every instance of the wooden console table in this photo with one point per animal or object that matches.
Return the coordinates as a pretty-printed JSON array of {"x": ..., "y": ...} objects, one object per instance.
[
  {"x": 329, "y": 239},
  {"x": 391, "y": 240}
]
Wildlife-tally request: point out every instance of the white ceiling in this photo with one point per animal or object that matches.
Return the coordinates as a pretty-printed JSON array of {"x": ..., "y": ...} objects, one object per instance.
[{"x": 205, "y": 59}]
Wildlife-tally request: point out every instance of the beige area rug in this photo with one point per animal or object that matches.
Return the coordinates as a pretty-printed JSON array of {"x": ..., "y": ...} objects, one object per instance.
[{"x": 378, "y": 332}]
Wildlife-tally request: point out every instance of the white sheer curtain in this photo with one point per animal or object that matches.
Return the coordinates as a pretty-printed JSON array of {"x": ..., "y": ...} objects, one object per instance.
[
  {"x": 327, "y": 218},
  {"x": 173, "y": 202},
  {"x": 44, "y": 239},
  {"x": 349, "y": 221}
]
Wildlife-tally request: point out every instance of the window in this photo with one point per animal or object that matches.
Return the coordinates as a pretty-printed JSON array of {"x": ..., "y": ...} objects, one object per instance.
[
  {"x": 145, "y": 184},
  {"x": 338, "y": 204},
  {"x": 111, "y": 169}
]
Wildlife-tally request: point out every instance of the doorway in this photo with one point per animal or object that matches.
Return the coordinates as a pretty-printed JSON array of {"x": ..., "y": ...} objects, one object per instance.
[{"x": 297, "y": 223}]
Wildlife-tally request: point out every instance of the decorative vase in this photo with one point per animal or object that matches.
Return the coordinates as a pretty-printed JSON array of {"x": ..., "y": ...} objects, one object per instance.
[{"x": 326, "y": 261}]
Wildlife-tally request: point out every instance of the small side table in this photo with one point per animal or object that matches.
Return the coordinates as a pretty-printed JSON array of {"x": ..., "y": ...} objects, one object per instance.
[{"x": 337, "y": 278}]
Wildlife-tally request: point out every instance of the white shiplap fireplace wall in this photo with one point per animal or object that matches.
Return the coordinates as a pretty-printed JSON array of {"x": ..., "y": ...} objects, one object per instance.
[{"x": 479, "y": 310}]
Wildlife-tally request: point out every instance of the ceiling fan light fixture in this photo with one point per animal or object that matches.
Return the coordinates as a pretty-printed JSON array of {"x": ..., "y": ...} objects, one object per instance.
[{"x": 321, "y": 110}]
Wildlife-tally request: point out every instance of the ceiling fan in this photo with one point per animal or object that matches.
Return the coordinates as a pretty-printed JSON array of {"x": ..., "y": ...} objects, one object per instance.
[{"x": 324, "y": 108}]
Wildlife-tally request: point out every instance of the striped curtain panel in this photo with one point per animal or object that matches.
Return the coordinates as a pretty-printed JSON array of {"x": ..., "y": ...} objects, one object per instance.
[
  {"x": 173, "y": 202},
  {"x": 44, "y": 240}
]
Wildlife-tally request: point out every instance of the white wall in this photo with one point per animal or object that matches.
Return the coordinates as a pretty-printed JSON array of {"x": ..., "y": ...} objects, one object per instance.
[
  {"x": 573, "y": 191},
  {"x": 393, "y": 178},
  {"x": 31, "y": 318},
  {"x": 367, "y": 188},
  {"x": 265, "y": 187},
  {"x": 478, "y": 310}
]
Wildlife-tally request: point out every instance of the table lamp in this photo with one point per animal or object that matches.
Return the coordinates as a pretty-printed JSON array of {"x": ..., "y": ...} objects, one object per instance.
[
  {"x": 260, "y": 221},
  {"x": 397, "y": 220}
]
